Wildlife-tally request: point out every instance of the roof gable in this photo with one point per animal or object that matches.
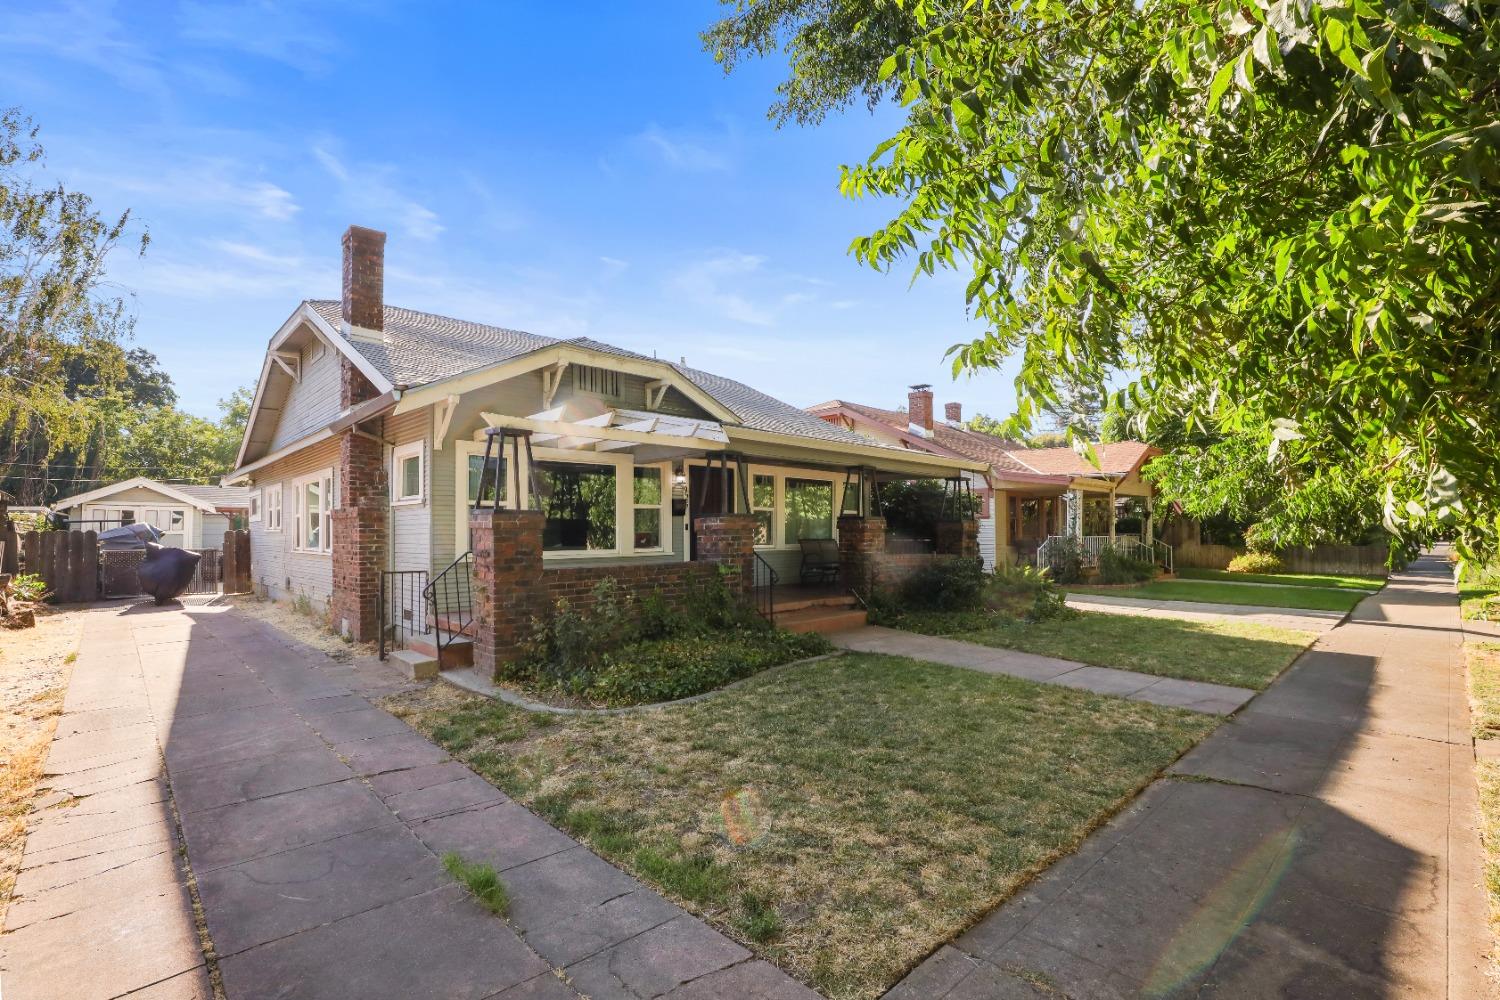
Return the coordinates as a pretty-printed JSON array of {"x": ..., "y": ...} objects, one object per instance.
[{"x": 165, "y": 489}]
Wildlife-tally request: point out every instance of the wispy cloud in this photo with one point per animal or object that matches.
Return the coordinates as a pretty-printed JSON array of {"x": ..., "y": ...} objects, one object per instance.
[
  {"x": 684, "y": 151},
  {"x": 219, "y": 183},
  {"x": 370, "y": 189},
  {"x": 229, "y": 269},
  {"x": 87, "y": 33},
  {"x": 708, "y": 283},
  {"x": 282, "y": 32}
]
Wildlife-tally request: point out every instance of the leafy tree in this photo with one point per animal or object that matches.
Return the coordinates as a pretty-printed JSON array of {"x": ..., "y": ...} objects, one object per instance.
[
  {"x": 1279, "y": 214},
  {"x": 1077, "y": 408},
  {"x": 53, "y": 246}
]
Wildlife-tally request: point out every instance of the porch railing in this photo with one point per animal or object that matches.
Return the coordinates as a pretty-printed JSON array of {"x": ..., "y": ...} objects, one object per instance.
[
  {"x": 450, "y": 607},
  {"x": 401, "y": 608},
  {"x": 1090, "y": 547},
  {"x": 763, "y": 588}
]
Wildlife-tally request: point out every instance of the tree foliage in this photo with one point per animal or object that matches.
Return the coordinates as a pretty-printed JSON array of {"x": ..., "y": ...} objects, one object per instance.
[{"x": 1280, "y": 215}]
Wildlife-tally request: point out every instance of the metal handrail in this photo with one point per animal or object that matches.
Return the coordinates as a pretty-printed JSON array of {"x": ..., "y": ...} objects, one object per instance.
[
  {"x": 763, "y": 588},
  {"x": 401, "y": 606},
  {"x": 448, "y": 598}
]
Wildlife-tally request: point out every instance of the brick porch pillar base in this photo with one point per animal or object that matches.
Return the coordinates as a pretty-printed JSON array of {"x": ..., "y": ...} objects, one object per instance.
[
  {"x": 861, "y": 544},
  {"x": 507, "y": 592},
  {"x": 958, "y": 538},
  {"x": 729, "y": 540}
]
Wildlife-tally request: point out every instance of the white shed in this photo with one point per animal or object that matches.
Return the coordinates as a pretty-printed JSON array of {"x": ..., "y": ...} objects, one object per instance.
[{"x": 188, "y": 516}]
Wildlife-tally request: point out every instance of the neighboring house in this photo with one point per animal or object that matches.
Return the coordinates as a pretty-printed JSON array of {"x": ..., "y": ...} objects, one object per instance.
[
  {"x": 1027, "y": 494},
  {"x": 188, "y": 516},
  {"x": 364, "y": 452}
]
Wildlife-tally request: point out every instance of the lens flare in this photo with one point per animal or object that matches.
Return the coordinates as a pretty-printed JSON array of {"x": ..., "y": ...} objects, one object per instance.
[{"x": 745, "y": 820}]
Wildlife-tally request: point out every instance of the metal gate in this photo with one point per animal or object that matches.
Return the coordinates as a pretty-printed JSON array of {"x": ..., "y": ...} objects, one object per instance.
[{"x": 117, "y": 573}]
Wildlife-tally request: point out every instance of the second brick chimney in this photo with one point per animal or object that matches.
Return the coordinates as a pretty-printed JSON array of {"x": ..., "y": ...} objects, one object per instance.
[
  {"x": 919, "y": 410},
  {"x": 364, "y": 283},
  {"x": 954, "y": 413}
]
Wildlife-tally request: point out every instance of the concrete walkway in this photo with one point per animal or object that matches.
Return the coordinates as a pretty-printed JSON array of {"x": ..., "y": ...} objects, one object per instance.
[
  {"x": 313, "y": 823},
  {"x": 1199, "y": 696},
  {"x": 1320, "y": 844},
  {"x": 1300, "y": 619}
]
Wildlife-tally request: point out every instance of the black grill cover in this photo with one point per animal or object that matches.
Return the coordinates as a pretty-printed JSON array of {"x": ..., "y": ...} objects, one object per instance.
[{"x": 166, "y": 572}]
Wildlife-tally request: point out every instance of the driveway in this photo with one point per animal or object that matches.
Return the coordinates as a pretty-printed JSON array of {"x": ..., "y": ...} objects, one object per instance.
[
  {"x": 1321, "y": 843},
  {"x": 312, "y": 824}
]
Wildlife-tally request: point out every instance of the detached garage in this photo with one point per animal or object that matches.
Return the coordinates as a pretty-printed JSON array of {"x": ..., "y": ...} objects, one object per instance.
[{"x": 189, "y": 517}]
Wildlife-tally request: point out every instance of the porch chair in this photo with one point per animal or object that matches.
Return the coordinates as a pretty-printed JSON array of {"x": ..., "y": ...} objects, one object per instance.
[{"x": 820, "y": 560}]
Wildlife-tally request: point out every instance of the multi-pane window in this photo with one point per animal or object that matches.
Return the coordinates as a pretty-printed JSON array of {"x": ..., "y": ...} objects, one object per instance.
[
  {"x": 809, "y": 509},
  {"x": 580, "y": 505},
  {"x": 763, "y": 506},
  {"x": 406, "y": 474},
  {"x": 254, "y": 514},
  {"x": 647, "y": 501},
  {"x": 271, "y": 512},
  {"x": 315, "y": 502}
]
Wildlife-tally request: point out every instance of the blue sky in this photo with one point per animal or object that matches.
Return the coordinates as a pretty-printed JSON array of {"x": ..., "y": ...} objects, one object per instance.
[{"x": 566, "y": 169}]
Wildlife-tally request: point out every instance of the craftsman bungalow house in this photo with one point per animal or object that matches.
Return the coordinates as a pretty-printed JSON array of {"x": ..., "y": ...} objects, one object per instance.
[
  {"x": 1027, "y": 495},
  {"x": 365, "y": 457}
]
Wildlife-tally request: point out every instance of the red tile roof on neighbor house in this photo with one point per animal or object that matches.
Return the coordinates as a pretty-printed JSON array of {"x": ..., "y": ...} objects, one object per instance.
[
  {"x": 945, "y": 437},
  {"x": 1119, "y": 458},
  {"x": 1007, "y": 458}
]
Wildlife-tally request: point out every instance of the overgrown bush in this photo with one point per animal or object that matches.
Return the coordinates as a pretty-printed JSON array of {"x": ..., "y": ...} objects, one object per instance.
[
  {"x": 1255, "y": 562},
  {"x": 945, "y": 585},
  {"x": 916, "y": 507},
  {"x": 622, "y": 650},
  {"x": 1117, "y": 565},
  {"x": 1065, "y": 560},
  {"x": 1026, "y": 592}
]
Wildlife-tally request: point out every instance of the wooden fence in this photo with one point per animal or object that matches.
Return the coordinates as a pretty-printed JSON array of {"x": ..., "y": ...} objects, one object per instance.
[
  {"x": 1360, "y": 559},
  {"x": 67, "y": 562},
  {"x": 237, "y": 579}
]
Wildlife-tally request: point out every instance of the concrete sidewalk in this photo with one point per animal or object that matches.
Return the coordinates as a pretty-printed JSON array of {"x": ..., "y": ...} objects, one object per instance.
[
  {"x": 313, "y": 822},
  {"x": 1197, "y": 696},
  {"x": 1300, "y": 619},
  {"x": 1320, "y": 844}
]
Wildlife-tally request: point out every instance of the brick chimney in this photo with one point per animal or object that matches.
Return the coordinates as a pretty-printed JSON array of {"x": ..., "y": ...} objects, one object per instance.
[
  {"x": 954, "y": 413},
  {"x": 364, "y": 283},
  {"x": 919, "y": 410}
]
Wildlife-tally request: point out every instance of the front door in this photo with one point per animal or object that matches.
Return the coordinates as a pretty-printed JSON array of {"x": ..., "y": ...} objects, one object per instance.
[{"x": 707, "y": 495}]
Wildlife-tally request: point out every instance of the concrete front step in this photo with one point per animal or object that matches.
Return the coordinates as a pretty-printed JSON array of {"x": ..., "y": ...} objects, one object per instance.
[
  {"x": 418, "y": 666},
  {"x": 458, "y": 653},
  {"x": 821, "y": 619}
]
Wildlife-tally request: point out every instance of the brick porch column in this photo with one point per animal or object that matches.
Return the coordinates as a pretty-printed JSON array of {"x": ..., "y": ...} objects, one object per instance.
[
  {"x": 958, "y": 538},
  {"x": 359, "y": 523},
  {"x": 861, "y": 544},
  {"x": 729, "y": 540},
  {"x": 507, "y": 579}
]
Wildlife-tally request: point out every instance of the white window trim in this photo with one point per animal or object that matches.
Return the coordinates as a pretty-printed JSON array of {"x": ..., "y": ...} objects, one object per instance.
[
  {"x": 326, "y": 501},
  {"x": 462, "y": 451},
  {"x": 664, "y": 507},
  {"x": 273, "y": 492},
  {"x": 400, "y": 454},
  {"x": 253, "y": 515},
  {"x": 624, "y": 503},
  {"x": 780, "y": 473}
]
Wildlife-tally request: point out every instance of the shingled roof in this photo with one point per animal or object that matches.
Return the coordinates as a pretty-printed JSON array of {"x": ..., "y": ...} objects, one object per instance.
[
  {"x": 959, "y": 441},
  {"x": 418, "y": 348},
  {"x": 1117, "y": 459}
]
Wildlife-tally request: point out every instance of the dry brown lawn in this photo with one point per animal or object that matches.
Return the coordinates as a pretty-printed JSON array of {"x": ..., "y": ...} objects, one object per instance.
[
  {"x": 842, "y": 818},
  {"x": 35, "y": 665},
  {"x": 305, "y": 626}
]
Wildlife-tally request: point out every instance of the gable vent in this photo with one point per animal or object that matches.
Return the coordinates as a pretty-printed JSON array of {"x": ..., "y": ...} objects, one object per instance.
[{"x": 596, "y": 381}]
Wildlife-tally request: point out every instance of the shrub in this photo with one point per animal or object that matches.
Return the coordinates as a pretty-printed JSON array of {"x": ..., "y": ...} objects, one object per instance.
[
  {"x": 1065, "y": 560},
  {"x": 1023, "y": 591},
  {"x": 1255, "y": 562},
  {"x": 28, "y": 587},
  {"x": 667, "y": 669},
  {"x": 945, "y": 585},
  {"x": 1116, "y": 565}
]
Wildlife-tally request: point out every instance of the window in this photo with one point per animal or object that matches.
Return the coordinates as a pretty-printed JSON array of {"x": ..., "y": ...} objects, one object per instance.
[
  {"x": 176, "y": 522},
  {"x": 851, "y": 498},
  {"x": 809, "y": 509},
  {"x": 127, "y": 516},
  {"x": 580, "y": 504},
  {"x": 255, "y": 506},
  {"x": 596, "y": 381},
  {"x": 314, "y": 503},
  {"x": 647, "y": 501},
  {"x": 763, "y": 506},
  {"x": 272, "y": 511},
  {"x": 406, "y": 473},
  {"x": 495, "y": 482}
]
